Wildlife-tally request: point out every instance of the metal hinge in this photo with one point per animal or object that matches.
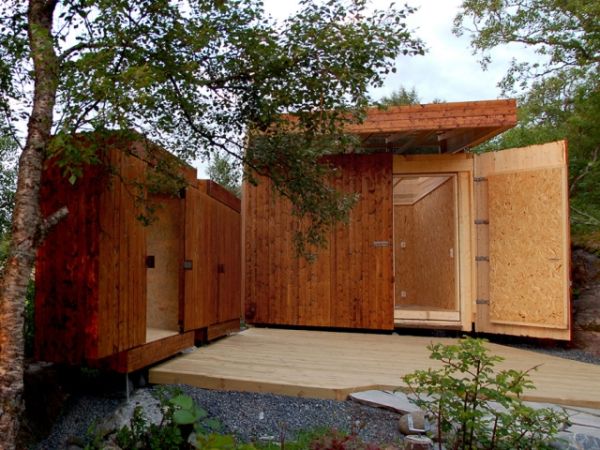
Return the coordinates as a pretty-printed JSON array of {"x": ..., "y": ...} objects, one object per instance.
[
  {"x": 482, "y": 301},
  {"x": 479, "y": 179},
  {"x": 482, "y": 258},
  {"x": 481, "y": 222}
]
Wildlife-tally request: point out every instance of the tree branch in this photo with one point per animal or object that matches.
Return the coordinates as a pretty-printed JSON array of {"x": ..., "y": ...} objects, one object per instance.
[{"x": 49, "y": 222}]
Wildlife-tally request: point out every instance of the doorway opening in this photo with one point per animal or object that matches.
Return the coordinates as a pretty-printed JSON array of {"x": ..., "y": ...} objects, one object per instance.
[
  {"x": 163, "y": 262},
  {"x": 426, "y": 248}
]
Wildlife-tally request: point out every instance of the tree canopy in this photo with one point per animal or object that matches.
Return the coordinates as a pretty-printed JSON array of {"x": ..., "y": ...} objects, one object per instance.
[
  {"x": 195, "y": 77},
  {"x": 559, "y": 93}
]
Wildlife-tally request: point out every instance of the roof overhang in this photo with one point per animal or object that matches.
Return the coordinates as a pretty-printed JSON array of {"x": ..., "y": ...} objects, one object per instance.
[{"x": 435, "y": 127}]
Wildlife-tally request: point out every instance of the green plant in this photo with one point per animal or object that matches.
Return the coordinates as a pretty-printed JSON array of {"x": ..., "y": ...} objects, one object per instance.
[{"x": 476, "y": 407}]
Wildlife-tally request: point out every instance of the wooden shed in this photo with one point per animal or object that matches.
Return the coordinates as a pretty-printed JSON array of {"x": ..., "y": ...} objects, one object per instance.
[
  {"x": 439, "y": 238},
  {"x": 116, "y": 290}
]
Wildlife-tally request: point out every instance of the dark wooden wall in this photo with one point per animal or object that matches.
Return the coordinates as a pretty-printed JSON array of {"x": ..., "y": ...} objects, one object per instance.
[
  {"x": 350, "y": 285},
  {"x": 91, "y": 290}
]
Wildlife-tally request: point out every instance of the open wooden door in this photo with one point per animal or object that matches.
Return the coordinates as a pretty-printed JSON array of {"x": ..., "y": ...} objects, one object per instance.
[{"x": 522, "y": 223}]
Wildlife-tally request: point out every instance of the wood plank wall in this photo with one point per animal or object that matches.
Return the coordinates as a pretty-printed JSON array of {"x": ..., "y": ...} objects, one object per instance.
[
  {"x": 350, "y": 285},
  {"x": 67, "y": 266},
  {"x": 213, "y": 245}
]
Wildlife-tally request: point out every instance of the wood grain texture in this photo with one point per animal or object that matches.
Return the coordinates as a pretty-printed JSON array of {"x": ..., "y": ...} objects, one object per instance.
[
  {"x": 526, "y": 248},
  {"x": 350, "y": 282},
  {"x": 537, "y": 239},
  {"x": 332, "y": 364},
  {"x": 426, "y": 272},
  {"x": 67, "y": 267}
]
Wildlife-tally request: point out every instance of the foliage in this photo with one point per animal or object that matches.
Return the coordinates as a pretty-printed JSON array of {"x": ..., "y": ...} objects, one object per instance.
[
  {"x": 201, "y": 77},
  {"x": 8, "y": 182},
  {"x": 227, "y": 172},
  {"x": 475, "y": 406},
  {"x": 401, "y": 96},
  {"x": 560, "y": 92}
]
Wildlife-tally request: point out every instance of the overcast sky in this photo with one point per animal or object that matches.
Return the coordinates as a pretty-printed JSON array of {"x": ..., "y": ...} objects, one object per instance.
[{"x": 448, "y": 71}]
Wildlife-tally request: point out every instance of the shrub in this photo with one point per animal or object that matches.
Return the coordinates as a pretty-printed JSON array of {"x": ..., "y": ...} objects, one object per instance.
[{"x": 474, "y": 406}]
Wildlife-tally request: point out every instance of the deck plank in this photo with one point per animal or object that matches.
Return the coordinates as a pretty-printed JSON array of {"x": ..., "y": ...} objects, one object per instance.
[{"x": 331, "y": 365}]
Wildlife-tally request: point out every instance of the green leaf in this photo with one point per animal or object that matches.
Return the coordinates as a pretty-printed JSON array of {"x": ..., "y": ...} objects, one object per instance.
[
  {"x": 72, "y": 179},
  {"x": 184, "y": 417},
  {"x": 183, "y": 401}
]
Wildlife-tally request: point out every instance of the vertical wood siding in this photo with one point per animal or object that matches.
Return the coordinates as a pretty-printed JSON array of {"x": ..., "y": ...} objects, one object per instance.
[
  {"x": 213, "y": 245},
  {"x": 350, "y": 285}
]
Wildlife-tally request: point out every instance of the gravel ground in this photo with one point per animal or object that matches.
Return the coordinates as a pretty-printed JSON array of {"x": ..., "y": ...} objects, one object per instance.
[
  {"x": 250, "y": 416},
  {"x": 261, "y": 416},
  {"x": 265, "y": 416}
]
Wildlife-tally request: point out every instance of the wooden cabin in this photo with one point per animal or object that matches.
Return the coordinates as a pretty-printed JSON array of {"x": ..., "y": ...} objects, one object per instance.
[
  {"x": 134, "y": 273},
  {"x": 440, "y": 238}
]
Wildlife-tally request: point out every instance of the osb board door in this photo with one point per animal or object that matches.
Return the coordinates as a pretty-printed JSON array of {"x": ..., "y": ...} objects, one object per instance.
[
  {"x": 200, "y": 287},
  {"x": 523, "y": 229}
]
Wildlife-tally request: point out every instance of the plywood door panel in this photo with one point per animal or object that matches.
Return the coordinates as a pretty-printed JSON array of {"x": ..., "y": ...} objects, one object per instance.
[{"x": 526, "y": 203}]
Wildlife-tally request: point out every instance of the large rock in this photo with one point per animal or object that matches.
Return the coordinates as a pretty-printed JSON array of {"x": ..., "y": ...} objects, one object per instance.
[{"x": 122, "y": 416}]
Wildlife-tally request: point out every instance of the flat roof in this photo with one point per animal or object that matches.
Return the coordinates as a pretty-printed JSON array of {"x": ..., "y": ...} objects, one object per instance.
[{"x": 435, "y": 127}]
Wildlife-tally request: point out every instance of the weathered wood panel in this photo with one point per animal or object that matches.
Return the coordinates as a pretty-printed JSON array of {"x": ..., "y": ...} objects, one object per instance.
[
  {"x": 200, "y": 290},
  {"x": 122, "y": 252},
  {"x": 227, "y": 238},
  {"x": 213, "y": 246},
  {"x": 350, "y": 283},
  {"x": 426, "y": 249},
  {"x": 67, "y": 267}
]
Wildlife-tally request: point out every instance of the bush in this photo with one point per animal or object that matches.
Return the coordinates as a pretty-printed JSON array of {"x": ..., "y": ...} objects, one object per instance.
[{"x": 475, "y": 407}]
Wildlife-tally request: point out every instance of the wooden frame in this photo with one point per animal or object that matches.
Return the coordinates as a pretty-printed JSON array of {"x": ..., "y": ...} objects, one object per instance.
[{"x": 460, "y": 166}]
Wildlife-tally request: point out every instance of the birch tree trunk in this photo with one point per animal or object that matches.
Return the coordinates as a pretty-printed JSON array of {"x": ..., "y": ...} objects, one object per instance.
[{"x": 27, "y": 224}]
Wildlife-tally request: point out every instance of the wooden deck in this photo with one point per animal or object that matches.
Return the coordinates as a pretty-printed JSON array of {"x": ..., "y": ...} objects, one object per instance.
[{"x": 332, "y": 364}]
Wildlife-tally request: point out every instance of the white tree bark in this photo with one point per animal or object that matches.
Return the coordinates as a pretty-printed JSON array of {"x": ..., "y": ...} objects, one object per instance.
[{"x": 26, "y": 226}]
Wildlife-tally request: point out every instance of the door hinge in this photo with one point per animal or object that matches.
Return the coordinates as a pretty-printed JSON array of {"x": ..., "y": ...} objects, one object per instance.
[
  {"x": 482, "y": 301},
  {"x": 482, "y": 222},
  {"x": 482, "y": 258},
  {"x": 479, "y": 179},
  {"x": 187, "y": 264},
  {"x": 150, "y": 262},
  {"x": 220, "y": 268}
]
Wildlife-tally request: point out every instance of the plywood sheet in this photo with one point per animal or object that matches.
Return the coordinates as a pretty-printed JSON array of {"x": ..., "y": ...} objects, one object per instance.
[
  {"x": 425, "y": 250},
  {"x": 527, "y": 231}
]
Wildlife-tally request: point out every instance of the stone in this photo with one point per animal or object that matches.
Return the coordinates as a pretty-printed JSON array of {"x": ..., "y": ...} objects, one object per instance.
[
  {"x": 417, "y": 442},
  {"x": 394, "y": 401},
  {"x": 585, "y": 419},
  {"x": 570, "y": 441},
  {"x": 588, "y": 431},
  {"x": 414, "y": 423},
  {"x": 123, "y": 414}
]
